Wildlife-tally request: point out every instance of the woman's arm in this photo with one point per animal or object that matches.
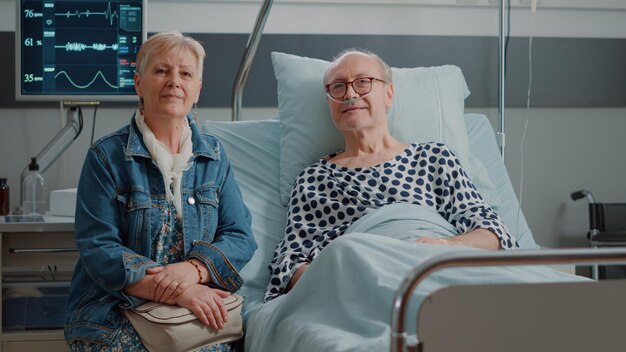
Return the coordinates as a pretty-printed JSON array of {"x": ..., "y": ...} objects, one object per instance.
[
  {"x": 166, "y": 283},
  {"x": 103, "y": 248},
  {"x": 144, "y": 289},
  {"x": 206, "y": 303},
  {"x": 233, "y": 244}
]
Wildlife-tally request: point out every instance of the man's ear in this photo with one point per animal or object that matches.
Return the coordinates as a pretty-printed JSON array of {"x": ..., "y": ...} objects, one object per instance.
[{"x": 389, "y": 95}]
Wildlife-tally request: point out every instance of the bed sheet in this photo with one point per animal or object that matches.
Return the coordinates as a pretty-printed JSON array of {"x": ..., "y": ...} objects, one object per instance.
[
  {"x": 344, "y": 300},
  {"x": 253, "y": 148}
]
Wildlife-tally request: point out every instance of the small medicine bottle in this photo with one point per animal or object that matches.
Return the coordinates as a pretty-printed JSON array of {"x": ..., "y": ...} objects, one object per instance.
[{"x": 4, "y": 197}]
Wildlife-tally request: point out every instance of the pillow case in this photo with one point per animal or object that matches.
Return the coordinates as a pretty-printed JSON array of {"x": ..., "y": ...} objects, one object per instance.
[{"x": 428, "y": 106}]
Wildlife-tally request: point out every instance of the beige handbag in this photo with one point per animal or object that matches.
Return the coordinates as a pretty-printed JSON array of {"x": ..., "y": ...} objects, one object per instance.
[{"x": 163, "y": 327}]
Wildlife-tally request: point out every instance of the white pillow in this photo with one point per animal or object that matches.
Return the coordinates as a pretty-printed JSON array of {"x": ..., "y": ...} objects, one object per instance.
[{"x": 428, "y": 106}]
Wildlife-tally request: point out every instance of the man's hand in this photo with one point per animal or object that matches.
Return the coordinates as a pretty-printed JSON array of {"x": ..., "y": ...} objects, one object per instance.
[
  {"x": 434, "y": 240},
  {"x": 479, "y": 238}
]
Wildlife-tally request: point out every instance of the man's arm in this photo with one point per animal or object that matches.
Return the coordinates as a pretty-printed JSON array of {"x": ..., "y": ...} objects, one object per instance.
[
  {"x": 479, "y": 238},
  {"x": 296, "y": 276}
]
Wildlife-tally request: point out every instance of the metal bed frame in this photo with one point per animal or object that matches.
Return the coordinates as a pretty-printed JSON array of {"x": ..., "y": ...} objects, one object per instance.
[
  {"x": 248, "y": 58},
  {"x": 399, "y": 336}
]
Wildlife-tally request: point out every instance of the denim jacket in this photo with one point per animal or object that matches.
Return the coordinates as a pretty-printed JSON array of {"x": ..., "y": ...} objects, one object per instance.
[{"x": 119, "y": 206}]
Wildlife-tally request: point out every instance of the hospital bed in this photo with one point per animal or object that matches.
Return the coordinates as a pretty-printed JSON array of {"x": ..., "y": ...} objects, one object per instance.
[
  {"x": 454, "y": 299},
  {"x": 574, "y": 312}
]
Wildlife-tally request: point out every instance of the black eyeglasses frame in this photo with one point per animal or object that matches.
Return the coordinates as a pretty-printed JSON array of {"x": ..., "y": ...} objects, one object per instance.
[{"x": 351, "y": 83}]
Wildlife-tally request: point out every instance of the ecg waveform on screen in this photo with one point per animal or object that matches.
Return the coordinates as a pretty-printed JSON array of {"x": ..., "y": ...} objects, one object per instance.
[
  {"x": 108, "y": 14},
  {"x": 99, "y": 73},
  {"x": 76, "y": 46}
]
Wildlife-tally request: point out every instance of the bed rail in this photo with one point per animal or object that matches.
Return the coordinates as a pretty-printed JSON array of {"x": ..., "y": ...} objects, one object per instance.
[
  {"x": 403, "y": 295},
  {"x": 248, "y": 57}
]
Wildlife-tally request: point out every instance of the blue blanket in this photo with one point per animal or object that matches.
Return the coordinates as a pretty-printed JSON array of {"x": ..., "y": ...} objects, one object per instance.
[{"x": 343, "y": 301}]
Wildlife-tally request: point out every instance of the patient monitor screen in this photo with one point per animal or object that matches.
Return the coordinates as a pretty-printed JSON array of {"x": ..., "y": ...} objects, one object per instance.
[{"x": 79, "y": 49}]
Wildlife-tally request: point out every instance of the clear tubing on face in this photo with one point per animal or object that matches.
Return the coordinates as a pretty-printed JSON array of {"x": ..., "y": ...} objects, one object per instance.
[{"x": 348, "y": 101}]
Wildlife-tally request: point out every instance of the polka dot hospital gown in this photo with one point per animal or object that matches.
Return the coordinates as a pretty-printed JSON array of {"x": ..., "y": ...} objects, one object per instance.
[{"x": 328, "y": 198}]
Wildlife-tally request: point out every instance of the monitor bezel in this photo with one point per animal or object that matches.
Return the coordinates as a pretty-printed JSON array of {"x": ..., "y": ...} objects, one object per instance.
[{"x": 116, "y": 97}]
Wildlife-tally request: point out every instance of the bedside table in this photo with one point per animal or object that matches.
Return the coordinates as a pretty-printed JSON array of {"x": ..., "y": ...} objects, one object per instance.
[{"x": 38, "y": 259}]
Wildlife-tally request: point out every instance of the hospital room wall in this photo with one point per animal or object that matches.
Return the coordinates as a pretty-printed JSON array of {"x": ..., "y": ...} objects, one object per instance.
[{"x": 564, "y": 148}]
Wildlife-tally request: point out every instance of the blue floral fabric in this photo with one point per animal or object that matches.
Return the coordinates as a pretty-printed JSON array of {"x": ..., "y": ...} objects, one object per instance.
[{"x": 168, "y": 248}]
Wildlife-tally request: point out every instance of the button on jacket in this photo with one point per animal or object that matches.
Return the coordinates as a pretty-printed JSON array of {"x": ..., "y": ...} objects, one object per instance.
[{"x": 119, "y": 208}]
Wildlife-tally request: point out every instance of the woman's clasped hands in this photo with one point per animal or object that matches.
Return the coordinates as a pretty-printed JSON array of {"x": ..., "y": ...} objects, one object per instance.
[{"x": 177, "y": 284}]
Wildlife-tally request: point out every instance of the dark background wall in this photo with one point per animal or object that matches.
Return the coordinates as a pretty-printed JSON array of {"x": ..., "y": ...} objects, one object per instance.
[{"x": 567, "y": 72}]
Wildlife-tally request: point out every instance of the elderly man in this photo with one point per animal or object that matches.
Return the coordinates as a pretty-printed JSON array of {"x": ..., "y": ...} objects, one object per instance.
[{"x": 372, "y": 171}]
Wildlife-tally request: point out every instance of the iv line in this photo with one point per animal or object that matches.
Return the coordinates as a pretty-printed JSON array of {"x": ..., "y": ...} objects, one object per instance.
[{"x": 523, "y": 142}]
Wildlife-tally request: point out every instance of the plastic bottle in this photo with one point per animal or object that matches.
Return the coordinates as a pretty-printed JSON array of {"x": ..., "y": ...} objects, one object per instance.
[
  {"x": 4, "y": 197},
  {"x": 33, "y": 191}
]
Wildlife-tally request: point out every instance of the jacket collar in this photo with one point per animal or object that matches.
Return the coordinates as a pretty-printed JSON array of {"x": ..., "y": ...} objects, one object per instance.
[{"x": 136, "y": 146}]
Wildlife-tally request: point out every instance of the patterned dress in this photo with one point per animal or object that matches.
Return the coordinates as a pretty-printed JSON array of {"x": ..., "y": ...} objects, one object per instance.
[
  {"x": 328, "y": 198},
  {"x": 167, "y": 248}
]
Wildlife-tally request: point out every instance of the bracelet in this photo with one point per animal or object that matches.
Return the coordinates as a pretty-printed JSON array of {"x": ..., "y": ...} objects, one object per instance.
[{"x": 198, "y": 269}]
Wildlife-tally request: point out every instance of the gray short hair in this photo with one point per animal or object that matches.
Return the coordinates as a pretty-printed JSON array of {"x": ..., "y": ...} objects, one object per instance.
[
  {"x": 169, "y": 41},
  {"x": 384, "y": 67}
]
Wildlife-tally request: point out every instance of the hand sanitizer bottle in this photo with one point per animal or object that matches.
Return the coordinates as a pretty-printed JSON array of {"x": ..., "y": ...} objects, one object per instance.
[{"x": 33, "y": 191}]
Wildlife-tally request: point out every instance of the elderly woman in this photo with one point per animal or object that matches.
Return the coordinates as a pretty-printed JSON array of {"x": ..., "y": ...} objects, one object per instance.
[
  {"x": 159, "y": 216},
  {"x": 372, "y": 171}
]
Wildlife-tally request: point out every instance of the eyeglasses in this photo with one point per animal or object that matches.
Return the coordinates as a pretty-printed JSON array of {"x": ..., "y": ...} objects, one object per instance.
[{"x": 361, "y": 86}]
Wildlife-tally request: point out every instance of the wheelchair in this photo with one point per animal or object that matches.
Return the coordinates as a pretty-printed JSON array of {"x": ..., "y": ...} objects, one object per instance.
[{"x": 607, "y": 228}]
